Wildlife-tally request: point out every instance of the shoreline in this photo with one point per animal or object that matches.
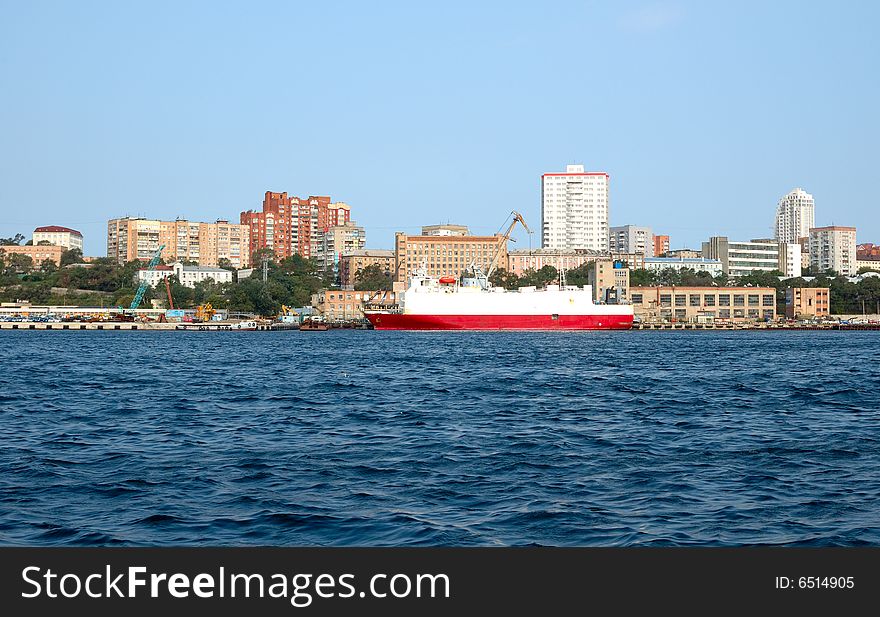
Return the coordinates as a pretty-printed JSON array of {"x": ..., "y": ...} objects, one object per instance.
[{"x": 128, "y": 326}]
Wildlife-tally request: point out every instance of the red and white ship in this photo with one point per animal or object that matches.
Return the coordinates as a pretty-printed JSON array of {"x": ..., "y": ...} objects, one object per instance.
[{"x": 472, "y": 303}]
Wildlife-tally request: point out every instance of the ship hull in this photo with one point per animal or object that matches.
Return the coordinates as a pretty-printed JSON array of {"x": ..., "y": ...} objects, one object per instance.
[{"x": 407, "y": 321}]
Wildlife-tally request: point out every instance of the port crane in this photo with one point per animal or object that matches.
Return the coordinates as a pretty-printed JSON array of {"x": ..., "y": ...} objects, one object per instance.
[
  {"x": 142, "y": 288},
  {"x": 477, "y": 275}
]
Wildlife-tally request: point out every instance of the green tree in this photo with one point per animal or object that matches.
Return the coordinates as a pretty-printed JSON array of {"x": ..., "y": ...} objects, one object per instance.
[
  {"x": 17, "y": 263},
  {"x": 372, "y": 278},
  {"x": 71, "y": 256},
  {"x": 578, "y": 276},
  {"x": 48, "y": 267},
  {"x": 13, "y": 241},
  {"x": 539, "y": 278},
  {"x": 505, "y": 279},
  {"x": 640, "y": 277}
]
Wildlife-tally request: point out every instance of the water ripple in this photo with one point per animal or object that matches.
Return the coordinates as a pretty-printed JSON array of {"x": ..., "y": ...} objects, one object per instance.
[{"x": 375, "y": 438}]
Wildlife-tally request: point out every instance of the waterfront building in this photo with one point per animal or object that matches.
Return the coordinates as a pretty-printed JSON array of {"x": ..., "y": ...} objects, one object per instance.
[
  {"x": 348, "y": 305},
  {"x": 574, "y": 209},
  {"x": 59, "y": 236},
  {"x": 807, "y": 302},
  {"x": 740, "y": 258},
  {"x": 206, "y": 244},
  {"x": 703, "y": 304},
  {"x": 187, "y": 275},
  {"x": 610, "y": 281},
  {"x": 445, "y": 255},
  {"x": 833, "y": 248},
  {"x": 292, "y": 225},
  {"x": 631, "y": 239},
  {"x": 795, "y": 216},
  {"x": 337, "y": 240},
  {"x": 697, "y": 264},
  {"x": 661, "y": 245},
  {"x": 520, "y": 260},
  {"x": 37, "y": 253},
  {"x": 352, "y": 261}
]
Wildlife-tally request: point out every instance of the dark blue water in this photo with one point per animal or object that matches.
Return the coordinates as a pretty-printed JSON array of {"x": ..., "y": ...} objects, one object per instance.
[{"x": 375, "y": 438}]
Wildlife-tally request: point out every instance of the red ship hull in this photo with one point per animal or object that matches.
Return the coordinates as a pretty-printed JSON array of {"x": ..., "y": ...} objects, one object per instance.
[{"x": 402, "y": 321}]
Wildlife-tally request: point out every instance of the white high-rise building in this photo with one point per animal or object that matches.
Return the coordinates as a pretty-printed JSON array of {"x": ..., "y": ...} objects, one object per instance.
[
  {"x": 795, "y": 216},
  {"x": 833, "y": 248},
  {"x": 574, "y": 209}
]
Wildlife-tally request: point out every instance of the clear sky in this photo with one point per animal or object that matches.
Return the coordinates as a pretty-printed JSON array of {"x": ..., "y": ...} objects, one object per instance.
[{"x": 704, "y": 113}]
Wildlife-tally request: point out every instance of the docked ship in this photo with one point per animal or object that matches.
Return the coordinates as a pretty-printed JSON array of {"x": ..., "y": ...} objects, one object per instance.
[{"x": 470, "y": 302}]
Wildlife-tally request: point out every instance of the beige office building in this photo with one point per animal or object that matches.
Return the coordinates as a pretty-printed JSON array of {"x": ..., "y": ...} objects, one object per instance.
[
  {"x": 807, "y": 302},
  {"x": 703, "y": 304},
  {"x": 610, "y": 283},
  {"x": 446, "y": 255},
  {"x": 352, "y": 261}
]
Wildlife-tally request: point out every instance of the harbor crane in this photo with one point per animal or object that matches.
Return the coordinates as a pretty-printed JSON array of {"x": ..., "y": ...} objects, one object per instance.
[
  {"x": 517, "y": 218},
  {"x": 142, "y": 288},
  {"x": 478, "y": 277}
]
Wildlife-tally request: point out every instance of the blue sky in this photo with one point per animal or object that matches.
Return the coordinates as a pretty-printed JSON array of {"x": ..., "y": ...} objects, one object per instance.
[{"x": 703, "y": 113}]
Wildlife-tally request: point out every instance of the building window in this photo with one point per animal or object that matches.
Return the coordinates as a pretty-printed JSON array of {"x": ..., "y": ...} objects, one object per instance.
[
  {"x": 739, "y": 313},
  {"x": 724, "y": 313},
  {"x": 753, "y": 299},
  {"x": 709, "y": 299},
  {"x": 739, "y": 300},
  {"x": 665, "y": 299},
  {"x": 680, "y": 299},
  {"x": 769, "y": 300},
  {"x": 724, "y": 300},
  {"x": 695, "y": 300},
  {"x": 637, "y": 298},
  {"x": 680, "y": 313}
]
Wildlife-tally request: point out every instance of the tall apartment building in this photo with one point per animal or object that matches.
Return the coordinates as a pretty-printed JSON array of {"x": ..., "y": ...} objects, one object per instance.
[
  {"x": 833, "y": 248},
  {"x": 203, "y": 243},
  {"x": 795, "y": 215},
  {"x": 631, "y": 239},
  {"x": 661, "y": 245},
  {"x": 58, "y": 236},
  {"x": 445, "y": 255},
  {"x": 291, "y": 225},
  {"x": 337, "y": 240},
  {"x": 740, "y": 258},
  {"x": 574, "y": 209}
]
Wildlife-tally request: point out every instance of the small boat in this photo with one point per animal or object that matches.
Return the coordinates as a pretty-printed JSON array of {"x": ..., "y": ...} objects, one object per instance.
[
  {"x": 214, "y": 327},
  {"x": 314, "y": 325}
]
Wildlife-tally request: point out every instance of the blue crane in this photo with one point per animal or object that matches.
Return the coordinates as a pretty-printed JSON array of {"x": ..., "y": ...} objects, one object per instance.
[{"x": 146, "y": 282}]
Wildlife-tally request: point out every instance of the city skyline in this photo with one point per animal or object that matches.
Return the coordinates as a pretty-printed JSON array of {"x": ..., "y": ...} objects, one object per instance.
[{"x": 706, "y": 118}]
